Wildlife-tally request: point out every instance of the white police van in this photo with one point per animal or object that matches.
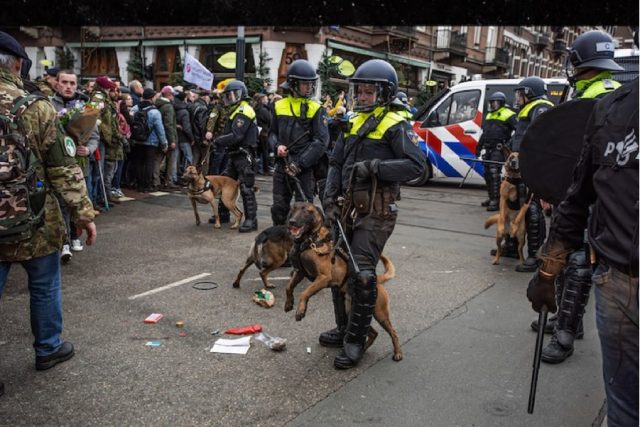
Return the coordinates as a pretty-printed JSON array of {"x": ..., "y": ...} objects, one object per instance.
[{"x": 450, "y": 125}]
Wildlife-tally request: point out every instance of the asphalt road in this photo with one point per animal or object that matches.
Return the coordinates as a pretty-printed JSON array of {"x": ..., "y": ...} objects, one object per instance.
[{"x": 463, "y": 324}]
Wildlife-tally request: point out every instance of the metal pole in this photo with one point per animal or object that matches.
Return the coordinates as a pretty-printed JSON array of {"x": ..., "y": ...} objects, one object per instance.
[{"x": 240, "y": 54}]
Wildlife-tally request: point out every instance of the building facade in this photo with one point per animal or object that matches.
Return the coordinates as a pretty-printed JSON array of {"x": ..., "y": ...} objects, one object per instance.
[{"x": 424, "y": 56}]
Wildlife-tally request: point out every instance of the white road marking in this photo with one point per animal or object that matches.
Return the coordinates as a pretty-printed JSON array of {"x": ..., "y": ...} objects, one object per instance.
[
  {"x": 271, "y": 278},
  {"x": 158, "y": 193},
  {"x": 170, "y": 285}
]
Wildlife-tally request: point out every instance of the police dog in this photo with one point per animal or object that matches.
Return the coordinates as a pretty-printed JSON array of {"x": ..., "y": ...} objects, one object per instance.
[
  {"x": 313, "y": 257},
  {"x": 269, "y": 251},
  {"x": 509, "y": 215},
  {"x": 206, "y": 189}
]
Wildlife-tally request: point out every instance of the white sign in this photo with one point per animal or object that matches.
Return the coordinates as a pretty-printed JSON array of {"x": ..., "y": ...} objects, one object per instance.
[{"x": 196, "y": 73}]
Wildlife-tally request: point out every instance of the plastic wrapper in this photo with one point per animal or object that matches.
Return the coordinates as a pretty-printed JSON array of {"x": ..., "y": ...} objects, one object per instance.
[{"x": 274, "y": 343}]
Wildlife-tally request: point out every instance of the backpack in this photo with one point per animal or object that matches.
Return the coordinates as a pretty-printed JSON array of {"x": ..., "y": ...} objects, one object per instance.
[
  {"x": 22, "y": 195},
  {"x": 198, "y": 114},
  {"x": 140, "y": 129}
]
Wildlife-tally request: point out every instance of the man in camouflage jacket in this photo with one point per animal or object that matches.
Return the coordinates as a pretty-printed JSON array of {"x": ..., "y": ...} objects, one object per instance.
[
  {"x": 57, "y": 170},
  {"x": 103, "y": 93}
]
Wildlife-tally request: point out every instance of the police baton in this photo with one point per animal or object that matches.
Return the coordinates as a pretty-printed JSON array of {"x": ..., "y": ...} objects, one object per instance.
[
  {"x": 104, "y": 190},
  {"x": 537, "y": 355}
]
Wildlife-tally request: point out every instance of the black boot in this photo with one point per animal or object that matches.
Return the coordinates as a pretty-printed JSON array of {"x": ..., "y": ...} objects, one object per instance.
[
  {"x": 335, "y": 336},
  {"x": 485, "y": 203},
  {"x": 250, "y": 210},
  {"x": 509, "y": 248},
  {"x": 493, "y": 186},
  {"x": 362, "y": 306},
  {"x": 577, "y": 274},
  {"x": 223, "y": 212},
  {"x": 536, "y": 232}
]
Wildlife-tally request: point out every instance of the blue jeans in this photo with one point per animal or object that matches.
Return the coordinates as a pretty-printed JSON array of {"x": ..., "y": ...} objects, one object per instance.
[
  {"x": 187, "y": 155},
  {"x": 46, "y": 300},
  {"x": 115, "y": 182},
  {"x": 617, "y": 320}
]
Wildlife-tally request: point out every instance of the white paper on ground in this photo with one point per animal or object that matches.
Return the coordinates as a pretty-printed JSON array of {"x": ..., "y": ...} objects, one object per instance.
[{"x": 232, "y": 346}]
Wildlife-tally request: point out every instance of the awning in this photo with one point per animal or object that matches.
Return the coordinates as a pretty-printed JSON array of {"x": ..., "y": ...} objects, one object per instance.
[
  {"x": 109, "y": 43},
  {"x": 164, "y": 42},
  {"x": 380, "y": 55}
]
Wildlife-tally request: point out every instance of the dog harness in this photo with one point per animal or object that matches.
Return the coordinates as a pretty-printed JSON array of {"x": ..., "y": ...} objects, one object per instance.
[{"x": 207, "y": 187}]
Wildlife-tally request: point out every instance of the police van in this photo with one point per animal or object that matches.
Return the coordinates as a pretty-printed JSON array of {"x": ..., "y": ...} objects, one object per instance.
[{"x": 450, "y": 125}]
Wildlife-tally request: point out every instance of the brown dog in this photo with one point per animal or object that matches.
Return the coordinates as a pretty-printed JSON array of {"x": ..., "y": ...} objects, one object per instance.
[
  {"x": 507, "y": 216},
  {"x": 204, "y": 190},
  {"x": 269, "y": 251},
  {"x": 313, "y": 254}
]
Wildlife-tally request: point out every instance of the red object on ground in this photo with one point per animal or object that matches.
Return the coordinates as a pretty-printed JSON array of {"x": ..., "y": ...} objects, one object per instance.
[
  {"x": 244, "y": 330},
  {"x": 153, "y": 318}
]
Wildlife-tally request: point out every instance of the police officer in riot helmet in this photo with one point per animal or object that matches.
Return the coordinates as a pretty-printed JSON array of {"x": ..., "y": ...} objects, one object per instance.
[
  {"x": 531, "y": 97},
  {"x": 299, "y": 137},
  {"x": 498, "y": 126},
  {"x": 589, "y": 68},
  {"x": 240, "y": 140},
  {"x": 379, "y": 151},
  {"x": 400, "y": 105},
  {"x": 590, "y": 64}
]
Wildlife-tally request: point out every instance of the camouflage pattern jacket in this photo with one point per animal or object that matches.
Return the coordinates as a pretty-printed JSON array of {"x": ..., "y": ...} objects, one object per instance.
[
  {"x": 109, "y": 130},
  {"x": 58, "y": 171},
  {"x": 45, "y": 88}
]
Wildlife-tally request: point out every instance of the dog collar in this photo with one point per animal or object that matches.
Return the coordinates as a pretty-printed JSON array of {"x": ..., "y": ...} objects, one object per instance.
[{"x": 207, "y": 187}]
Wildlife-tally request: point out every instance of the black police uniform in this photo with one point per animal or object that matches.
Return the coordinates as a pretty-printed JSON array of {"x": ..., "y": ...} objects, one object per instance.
[
  {"x": 390, "y": 152},
  {"x": 574, "y": 283},
  {"x": 497, "y": 129},
  {"x": 240, "y": 139},
  {"x": 300, "y": 124},
  {"x": 536, "y": 227}
]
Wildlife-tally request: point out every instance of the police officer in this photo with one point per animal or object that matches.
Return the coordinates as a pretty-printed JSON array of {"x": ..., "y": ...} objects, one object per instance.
[
  {"x": 299, "y": 137},
  {"x": 36, "y": 249},
  {"x": 531, "y": 97},
  {"x": 606, "y": 177},
  {"x": 366, "y": 166},
  {"x": 498, "y": 126},
  {"x": 591, "y": 60},
  {"x": 240, "y": 140},
  {"x": 400, "y": 105}
]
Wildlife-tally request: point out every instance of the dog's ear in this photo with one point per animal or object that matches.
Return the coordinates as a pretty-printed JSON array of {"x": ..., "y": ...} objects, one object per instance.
[
  {"x": 198, "y": 168},
  {"x": 319, "y": 213},
  {"x": 506, "y": 150}
]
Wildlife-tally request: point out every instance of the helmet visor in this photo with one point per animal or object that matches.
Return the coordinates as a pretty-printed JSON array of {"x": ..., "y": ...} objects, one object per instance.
[
  {"x": 304, "y": 88},
  {"x": 366, "y": 95},
  {"x": 231, "y": 97}
]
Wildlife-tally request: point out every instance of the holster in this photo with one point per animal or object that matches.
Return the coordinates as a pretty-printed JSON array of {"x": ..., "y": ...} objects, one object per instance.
[{"x": 361, "y": 197}]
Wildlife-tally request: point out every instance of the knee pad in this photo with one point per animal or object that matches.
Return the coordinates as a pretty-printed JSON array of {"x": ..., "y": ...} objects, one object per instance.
[{"x": 365, "y": 285}]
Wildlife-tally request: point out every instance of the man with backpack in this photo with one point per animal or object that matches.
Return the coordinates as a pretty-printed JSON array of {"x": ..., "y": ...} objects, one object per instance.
[
  {"x": 199, "y": 114},
  {"x": 33, "y": 235},
  {"x": 147, "y": 132}
]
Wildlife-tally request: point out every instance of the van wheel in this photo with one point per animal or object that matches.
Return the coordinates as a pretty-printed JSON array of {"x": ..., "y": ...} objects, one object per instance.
[{"x": 422, "y": 179}]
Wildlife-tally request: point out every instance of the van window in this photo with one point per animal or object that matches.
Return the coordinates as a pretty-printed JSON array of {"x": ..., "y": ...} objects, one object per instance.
[
  {"x": 459, "y": 107},
  {"x": 464, "y": 106}
]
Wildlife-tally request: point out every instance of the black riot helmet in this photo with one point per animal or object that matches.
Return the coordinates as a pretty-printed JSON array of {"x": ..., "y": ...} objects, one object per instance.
[
  {"x": 376, "y": 77},
  {"x": 593, "y": 49},
  {"x": 234, "y": 92},
  {"x": 496, "y": 101},
  {"x": 532, "y": 87},
  {"x": 301, "y": 70},
  {"x": 401, "y": 100}
]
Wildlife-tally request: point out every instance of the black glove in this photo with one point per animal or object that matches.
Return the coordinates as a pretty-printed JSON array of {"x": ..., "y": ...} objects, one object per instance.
[
  {"x": 292, "y": 169},
  {"x": 363, "y": 170},
  {"x": 542, "y": 291},
  {"x": 332, "y": 213}
]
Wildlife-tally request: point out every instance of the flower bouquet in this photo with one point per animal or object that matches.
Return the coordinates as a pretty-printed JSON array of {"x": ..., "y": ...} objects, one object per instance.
[{"x": 80, "y": 120}]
